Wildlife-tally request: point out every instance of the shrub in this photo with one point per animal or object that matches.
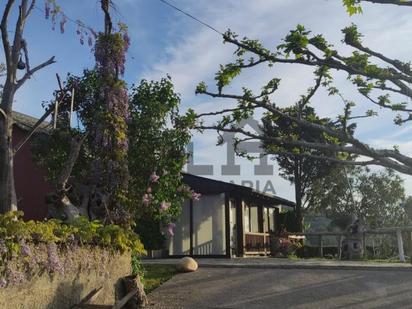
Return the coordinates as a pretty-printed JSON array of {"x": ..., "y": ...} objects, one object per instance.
[{"x": 19, "y": 240}]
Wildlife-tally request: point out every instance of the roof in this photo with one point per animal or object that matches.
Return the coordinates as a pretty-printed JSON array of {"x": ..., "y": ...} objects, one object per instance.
[
  {"x": 26, "y": 122},
  {"x": 211, "y": 186}
]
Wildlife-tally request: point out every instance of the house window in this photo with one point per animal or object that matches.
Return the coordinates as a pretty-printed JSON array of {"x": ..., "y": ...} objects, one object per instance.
[
  {"x": 246, "y": 216},
  {"x": 267, "y": 220},
  {"x": 271, "y": 219},
  {"x": 254, "y": 221}
]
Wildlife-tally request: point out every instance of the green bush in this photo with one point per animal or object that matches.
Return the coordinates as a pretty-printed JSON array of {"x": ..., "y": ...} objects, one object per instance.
[{"x": 14, "y": 232}]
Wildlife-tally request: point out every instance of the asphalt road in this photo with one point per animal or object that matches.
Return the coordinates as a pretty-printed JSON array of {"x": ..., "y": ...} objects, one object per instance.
[{"x": 286, "y": 288}]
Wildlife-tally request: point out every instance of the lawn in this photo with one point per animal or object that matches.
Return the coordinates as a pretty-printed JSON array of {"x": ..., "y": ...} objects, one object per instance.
[{"x": 155, "y": 275}]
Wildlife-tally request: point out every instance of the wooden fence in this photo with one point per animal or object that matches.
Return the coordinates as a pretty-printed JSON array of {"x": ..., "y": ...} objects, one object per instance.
[
  {"x": 389, "y": 231},
  {"x": 257, "y": 243}
]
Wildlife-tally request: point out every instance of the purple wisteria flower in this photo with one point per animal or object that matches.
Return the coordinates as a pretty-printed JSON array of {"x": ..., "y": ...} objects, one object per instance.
[
  {"x": 170, "y": 228},
  {"x": 54, "y": 263},
  {"x": 14, "y": 277},
  {"x": 3, "y": 283},
  {"x": 3, "y": 247},
  {"x": 146, "y": 199},
  {"x": 165, "y": 206},
  {"x": 25, "y": 250},
  {"x": 154, "y": 177},
  {"x": 196, "y": 196}
]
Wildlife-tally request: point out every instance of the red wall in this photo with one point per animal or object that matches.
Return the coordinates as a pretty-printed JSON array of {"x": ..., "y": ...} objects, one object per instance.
[{"x": 31, "y": 187}]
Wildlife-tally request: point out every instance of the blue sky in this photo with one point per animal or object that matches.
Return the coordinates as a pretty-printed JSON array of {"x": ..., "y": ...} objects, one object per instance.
[{"x": 167, "y": 42}]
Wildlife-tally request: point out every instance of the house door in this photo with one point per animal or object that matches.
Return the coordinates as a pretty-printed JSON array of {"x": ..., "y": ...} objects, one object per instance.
[{"x": 233, "y": 228}]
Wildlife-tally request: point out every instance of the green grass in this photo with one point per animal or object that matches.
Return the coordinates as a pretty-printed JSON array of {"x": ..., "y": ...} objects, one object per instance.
[
  {"x": 155, "y": 275},
  {"x": 366, "y": 260}
]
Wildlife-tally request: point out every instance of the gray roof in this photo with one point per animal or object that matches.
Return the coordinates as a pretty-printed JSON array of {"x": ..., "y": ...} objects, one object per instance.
[
  {"x": 26, "y": 122},
  {"x": 211, "y": 186}
]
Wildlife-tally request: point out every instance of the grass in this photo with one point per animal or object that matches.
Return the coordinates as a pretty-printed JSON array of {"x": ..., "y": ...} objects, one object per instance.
[
  {"x": 155, "y": 275},
  {"x": 366, "y": 260}
]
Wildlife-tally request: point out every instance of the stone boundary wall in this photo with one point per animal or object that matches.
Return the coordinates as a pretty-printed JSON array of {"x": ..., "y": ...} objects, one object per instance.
[{"x": 82, "y": 270}]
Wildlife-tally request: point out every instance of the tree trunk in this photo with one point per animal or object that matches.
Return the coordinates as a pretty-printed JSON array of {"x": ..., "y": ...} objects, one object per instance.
[
  {"x": 8, "y": 201},
  {"x": 298, "y": 196}
]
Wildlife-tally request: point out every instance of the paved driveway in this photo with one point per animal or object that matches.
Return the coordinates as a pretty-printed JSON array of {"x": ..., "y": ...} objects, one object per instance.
[{"x": 286, "y": 288}]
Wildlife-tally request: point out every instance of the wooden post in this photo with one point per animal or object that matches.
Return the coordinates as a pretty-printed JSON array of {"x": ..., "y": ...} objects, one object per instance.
[
  {"x": 320, "y": 246},
  {"x": 191, "y": 229},
  {"x": 364, "y": 243},
  {"x": 56, "y": 110},
  {"x": 340, "y": 247},
  {"x": 410, "y": 247},
  {"x": 400, "y": 245},
  {"x": 227, "y": 225},
  {"x": 71, "y": 108},
  {"x": 239, "y": 227}
]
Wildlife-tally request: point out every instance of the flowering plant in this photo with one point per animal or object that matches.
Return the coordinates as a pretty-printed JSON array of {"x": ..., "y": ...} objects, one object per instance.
[{"x": 36, "y": 245}]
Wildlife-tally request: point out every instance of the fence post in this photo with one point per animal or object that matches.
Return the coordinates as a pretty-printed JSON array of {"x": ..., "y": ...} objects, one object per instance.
[
  {"x": 400, "y": 245},
  {"x": 364, "y": 243},
  {"x": 320, "y": 246}
]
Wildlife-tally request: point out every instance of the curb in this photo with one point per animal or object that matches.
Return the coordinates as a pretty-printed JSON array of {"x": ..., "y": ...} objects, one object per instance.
[
  {"x": 301, "y": 266},
  {"x": 407, "y": 267}
]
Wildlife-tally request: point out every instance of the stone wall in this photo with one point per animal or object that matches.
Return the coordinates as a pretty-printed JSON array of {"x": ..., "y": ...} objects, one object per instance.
[{"x": 83, "y": 269}]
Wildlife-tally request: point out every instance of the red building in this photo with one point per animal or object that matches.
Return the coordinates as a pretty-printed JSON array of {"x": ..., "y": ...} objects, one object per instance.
[{"x": 31, "y": 186}]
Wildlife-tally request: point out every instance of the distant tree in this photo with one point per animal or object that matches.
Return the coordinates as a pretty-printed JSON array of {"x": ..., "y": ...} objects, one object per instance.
[
  {"x": 302, "y": 171},
  {"x": 377, "y": 198}
]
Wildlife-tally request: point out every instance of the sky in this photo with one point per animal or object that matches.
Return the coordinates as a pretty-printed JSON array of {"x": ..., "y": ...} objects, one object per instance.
[{"x": 164, "y": 41}]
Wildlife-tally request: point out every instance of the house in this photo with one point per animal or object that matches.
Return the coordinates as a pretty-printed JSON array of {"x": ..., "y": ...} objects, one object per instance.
[
  {"x": 229, "y": 220},
  {"x": 30, "y": 183}
]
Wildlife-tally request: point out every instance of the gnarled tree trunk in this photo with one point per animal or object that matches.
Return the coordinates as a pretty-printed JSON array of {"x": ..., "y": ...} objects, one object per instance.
[{"x": 8, "y": 200}]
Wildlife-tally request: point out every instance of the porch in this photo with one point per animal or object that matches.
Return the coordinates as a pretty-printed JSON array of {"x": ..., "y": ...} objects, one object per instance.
[{"x": 228, "y": 221}]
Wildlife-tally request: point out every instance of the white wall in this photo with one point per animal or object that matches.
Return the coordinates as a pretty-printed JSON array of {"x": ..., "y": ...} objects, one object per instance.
[
  {"x": 209, "y": 225},
  {"x": 179, "y": 244},
  {"x": 209, "y": 237}
]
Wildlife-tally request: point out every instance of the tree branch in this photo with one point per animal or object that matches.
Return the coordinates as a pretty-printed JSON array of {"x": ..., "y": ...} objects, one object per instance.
[
  {"x": 359, "y": 147},
  {"x": 396, "y": 2},
  {"x": 4, "y": 33},
  {"x": 26, "y": 76},
  {"x": 31, "y": 7},
  {"x": 378, "y": 156}
]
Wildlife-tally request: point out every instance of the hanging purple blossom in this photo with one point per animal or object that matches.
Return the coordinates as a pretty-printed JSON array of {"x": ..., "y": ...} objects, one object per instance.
[
  {"x": 170, "y": 228},
  {"x": 196, "y": 196},
  {"x": 146, "y": 199},
  {"x": 154, "y": 178},
  {"x": 54, "y": 264},
  {"x": 46, "y": 9},
  {"x": 62, "y": 23},
  {"x": 25, "y": 250},
  {"x": 3, "y": 283}
]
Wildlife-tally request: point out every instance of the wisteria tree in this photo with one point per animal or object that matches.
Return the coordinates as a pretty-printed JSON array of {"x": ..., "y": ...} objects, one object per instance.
[{"x": 384, "y": 82}]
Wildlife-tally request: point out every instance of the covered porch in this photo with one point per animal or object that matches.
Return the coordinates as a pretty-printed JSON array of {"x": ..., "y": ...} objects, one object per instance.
[
  {"x": 228, "y": 221},
  {"x": 252, "y": 218}
]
